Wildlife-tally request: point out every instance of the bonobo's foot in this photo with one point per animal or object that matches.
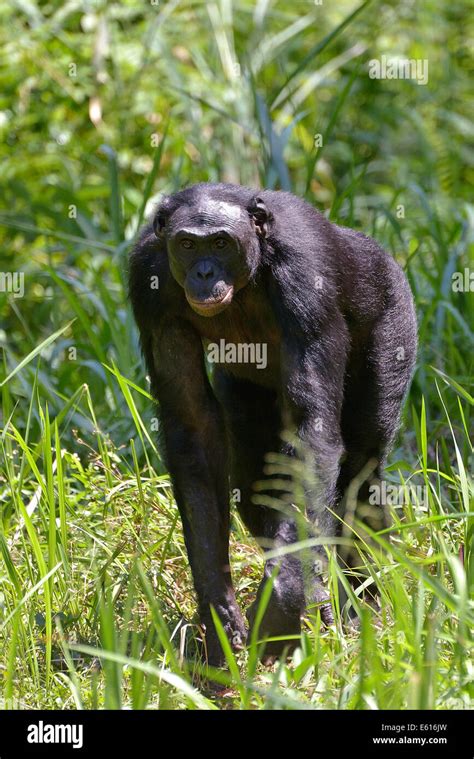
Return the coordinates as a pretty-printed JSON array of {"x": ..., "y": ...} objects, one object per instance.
[
  {"x": 280, "y": 619},
  {"x": 234, "y": 627}
]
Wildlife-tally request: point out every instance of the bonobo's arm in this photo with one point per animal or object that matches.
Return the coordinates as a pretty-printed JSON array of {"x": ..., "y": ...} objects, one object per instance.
[{"x": 196, "y": 452}]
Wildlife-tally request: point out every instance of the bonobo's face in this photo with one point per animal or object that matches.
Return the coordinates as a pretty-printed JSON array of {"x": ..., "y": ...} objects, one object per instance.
[{"x": 212, "y": 251}]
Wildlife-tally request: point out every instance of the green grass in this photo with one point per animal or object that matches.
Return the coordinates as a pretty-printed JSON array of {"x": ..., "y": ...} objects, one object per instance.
[{"x": 96, "y": 602}]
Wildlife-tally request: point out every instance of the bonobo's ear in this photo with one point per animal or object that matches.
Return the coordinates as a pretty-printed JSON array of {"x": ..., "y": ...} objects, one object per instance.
[
  {"x": 160, "y": 218},
  {"x": 260, "y": 216},
  {"x": 158, "y": 224}
]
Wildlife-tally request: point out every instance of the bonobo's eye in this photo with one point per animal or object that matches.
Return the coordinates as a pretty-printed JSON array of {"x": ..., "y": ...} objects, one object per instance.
[
  {"x": 220, "y": 242},
  {"x": 187, "y": 244}
]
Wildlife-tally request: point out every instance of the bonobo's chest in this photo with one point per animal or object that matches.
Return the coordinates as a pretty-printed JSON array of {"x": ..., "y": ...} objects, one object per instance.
[{"x": 244, "y": 339}]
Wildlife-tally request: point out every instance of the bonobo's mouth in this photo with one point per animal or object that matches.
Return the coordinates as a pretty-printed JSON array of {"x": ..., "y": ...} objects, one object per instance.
[{"x": 211, "y": 306}]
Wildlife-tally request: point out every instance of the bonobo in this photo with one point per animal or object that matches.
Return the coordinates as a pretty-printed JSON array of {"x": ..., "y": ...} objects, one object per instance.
[{"x": 224, "y": 265}]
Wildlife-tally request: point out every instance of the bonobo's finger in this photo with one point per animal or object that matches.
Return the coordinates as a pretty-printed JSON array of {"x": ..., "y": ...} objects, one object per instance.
[{"x": 327, "y": 616}]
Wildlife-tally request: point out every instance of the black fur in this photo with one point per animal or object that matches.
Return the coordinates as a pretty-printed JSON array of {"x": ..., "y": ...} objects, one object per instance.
[{"x": 337, "y": 316}]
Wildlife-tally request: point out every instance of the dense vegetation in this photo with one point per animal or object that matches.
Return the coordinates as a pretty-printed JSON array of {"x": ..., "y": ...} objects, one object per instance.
[{"x": 104, "y": 106}]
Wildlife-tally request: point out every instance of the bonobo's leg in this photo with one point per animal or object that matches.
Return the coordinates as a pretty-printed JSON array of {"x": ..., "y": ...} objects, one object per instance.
[
  {"x": 253, "y": 420},
  {"x": 380, "y": 373},
  {"x": 366, "y": 443},
  {"x": 196, "y": 451}
]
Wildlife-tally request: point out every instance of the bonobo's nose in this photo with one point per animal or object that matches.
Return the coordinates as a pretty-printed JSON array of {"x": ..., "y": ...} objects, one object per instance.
[{"x": 205, "y": 270}]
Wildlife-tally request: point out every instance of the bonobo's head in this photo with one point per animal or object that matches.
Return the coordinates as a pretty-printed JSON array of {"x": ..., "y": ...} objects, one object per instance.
[{"x": 212, "y": 240}]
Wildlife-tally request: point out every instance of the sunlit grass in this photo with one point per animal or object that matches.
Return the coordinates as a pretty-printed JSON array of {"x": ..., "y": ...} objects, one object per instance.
[
  {"x": 96, "y": 602},
  {"x": 98, "y": 605}
]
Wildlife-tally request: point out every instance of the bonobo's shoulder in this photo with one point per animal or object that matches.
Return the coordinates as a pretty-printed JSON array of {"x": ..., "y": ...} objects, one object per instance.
[
  {"x": 295, "y": 218},
  {"x": 283, "y": 199},
  {"x": 148, "y": 277},
  {"x": 281, "y": 202},
  {"x": 148, "y": 252},
  {"x": 146, "y": 238},
  {"x": 301, "y": 226}
]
